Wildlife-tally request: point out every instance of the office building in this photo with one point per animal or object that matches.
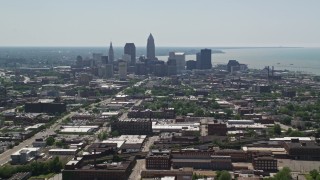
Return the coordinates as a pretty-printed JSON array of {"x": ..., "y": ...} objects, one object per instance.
[
  {"x": 191, "y": 64},
  {"x": 180, "y": 59},
  {"x": 204, "y": 59},
  {"x": 96, "y": 59},
  {"x": 109, "y": 70},
  {"x": 105, "y": 71},
  {"x": 130, "y": 49},
  {"x": 171, "y": 67},
  {"x": 233, "y": 64},
  {"x": 140, "y": 68},
  {"x": 104, "y": 59},
  {"x": 111, "y": 54},
  {"x": 160, "y": 69},
  {"x": 151, "y": 52},
  {"x": 122, "y": 69}
]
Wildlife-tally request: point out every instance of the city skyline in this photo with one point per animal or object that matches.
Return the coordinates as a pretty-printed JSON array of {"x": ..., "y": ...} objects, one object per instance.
[{"x": 174, "y": 23}]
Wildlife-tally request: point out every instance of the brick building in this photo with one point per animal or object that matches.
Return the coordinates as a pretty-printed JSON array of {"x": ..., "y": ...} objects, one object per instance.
[
  {"x": 302, "y": 150},
  {"x": 45, "y": 106},
  {"x": 219, "y": 129},
  {"x": 133, "y": 126},
  {"x": 268, "y": 163},
  {"x": 158, "y": 159}
]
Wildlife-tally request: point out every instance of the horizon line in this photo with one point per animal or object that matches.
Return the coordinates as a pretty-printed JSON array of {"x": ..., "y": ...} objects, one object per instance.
[{"x": 76, "y": 46}]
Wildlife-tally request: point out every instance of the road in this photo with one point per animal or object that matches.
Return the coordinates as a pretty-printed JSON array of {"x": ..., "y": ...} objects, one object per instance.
[
  {"x": 149, "y": 143},
  {"x": 285, "y": 127},
  {"x": 136, "y": 171},
  {"x": 5, "y": 156}
]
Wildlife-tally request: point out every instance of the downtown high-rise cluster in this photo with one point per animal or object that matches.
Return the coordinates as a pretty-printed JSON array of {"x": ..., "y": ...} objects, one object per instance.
[{"x": 105, "y": 66}]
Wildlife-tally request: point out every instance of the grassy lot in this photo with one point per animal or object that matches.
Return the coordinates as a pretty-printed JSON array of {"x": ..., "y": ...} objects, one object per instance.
[{"x": 46, "y": 176}]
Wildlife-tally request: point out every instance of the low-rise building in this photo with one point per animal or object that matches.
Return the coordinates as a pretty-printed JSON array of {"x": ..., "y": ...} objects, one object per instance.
[
  {"x": 133, "y": 126},
  {"x": 63, "y": 152},
  {"x": 39, "y": 143},
  {"x": 212, "y": 163},
  {"x": 24, "y": 155},
  {"x": 219, "y": 129},
  {"x": 111, "y": 171},
  {"x": 302, "y": 150},
  {"x": 45, "y": 106},
  {"x": 158, "y": 159},
  {"x": 269, "y": 164},
  {"x": 236, "y": 155}
]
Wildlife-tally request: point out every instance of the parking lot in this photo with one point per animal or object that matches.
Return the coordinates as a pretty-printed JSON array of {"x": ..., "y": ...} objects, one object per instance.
[{"x": 295, "y": 165}]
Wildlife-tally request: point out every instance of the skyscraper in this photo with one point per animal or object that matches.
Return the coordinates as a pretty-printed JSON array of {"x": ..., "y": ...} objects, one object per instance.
[
  {"x": 151, "y": 54},
  {"x": 130, "y": 49},
  {"x": 204, "y": 59},
  {"x": 111, "y": 54},
  {"x": 122, "y": 69},
  {"x": 180, "y": 60}
]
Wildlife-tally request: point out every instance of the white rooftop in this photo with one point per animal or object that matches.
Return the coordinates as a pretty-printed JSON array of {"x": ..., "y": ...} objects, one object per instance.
[
  {"x": 118, "y": 142},
  {"x": 290, "y": 138},
  {"x": 26, "y": 149},
  {"x": 63, "y": 150}
]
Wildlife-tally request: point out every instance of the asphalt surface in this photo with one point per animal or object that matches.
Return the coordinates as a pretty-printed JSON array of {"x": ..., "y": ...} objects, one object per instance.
[{"x": 136, "y": 171}]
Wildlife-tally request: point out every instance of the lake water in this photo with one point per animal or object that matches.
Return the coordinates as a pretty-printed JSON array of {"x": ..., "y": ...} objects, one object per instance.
[{"x": 295, "y": 59}]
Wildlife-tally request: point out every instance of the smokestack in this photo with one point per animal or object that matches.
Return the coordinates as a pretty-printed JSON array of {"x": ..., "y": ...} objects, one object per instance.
[{"x": 272, "y": 70}]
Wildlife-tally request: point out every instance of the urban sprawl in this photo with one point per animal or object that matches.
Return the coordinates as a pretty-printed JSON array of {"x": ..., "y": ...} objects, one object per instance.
[{"x": 142, "y": 118}]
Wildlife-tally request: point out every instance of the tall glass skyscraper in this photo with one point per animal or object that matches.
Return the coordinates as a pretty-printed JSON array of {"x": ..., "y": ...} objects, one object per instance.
[
  {"x": 151, "y": 52},
  {"x": 111, "y": 54},
  {"x": 204, "y": 59},
  {"x": 130, "y": 49}
]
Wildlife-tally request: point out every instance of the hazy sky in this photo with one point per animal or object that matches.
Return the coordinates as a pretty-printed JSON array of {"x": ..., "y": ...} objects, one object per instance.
[{"x": 212, "y": 23}]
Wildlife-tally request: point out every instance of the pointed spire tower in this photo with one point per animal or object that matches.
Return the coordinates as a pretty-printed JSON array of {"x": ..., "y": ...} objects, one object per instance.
[
  {"x": 111, "y": 54},
  {"x": 151, "y": 52}
]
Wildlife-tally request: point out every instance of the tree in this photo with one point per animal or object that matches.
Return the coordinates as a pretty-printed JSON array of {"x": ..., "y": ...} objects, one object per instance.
[
  {"x": 115, "y": 133},
  {"x": 289, "y": 131},
  {"x": 199, "y": 113},
  {"x": 102, "y": 136},
  {"x": 284, "y": 174},
  {"x": 314, "y": 173},
  {"x": 237, "y": 116},
  {"x": 296, "y": 134},
  {"x": 50, "y": 141},
  {"x": 277, "y": 129},
  {"x": 59, "y": 143},
  {"x": 224, "y": 175},
  {"x": 116, "y": 158},
  {"x": 287, "y": 120}
]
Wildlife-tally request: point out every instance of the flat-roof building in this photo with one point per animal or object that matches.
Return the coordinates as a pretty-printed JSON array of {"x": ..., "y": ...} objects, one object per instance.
[{"x": 24, "y": 155}]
